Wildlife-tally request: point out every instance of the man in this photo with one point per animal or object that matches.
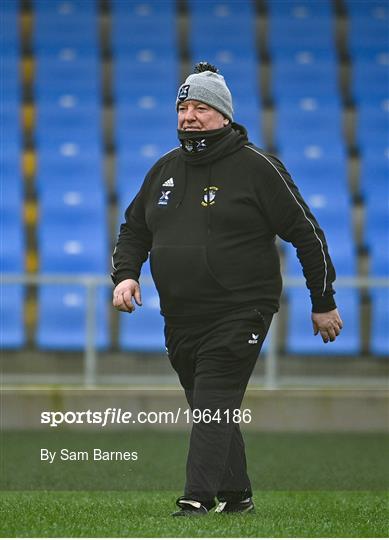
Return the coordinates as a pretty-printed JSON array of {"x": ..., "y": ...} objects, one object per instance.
[{"x": 208, "y": 212}]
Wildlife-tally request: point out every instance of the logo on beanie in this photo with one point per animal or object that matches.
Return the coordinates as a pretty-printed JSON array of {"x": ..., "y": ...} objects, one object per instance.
[
  {"x": 183, "y": 92},
  {"x": 209, "y": 196}
]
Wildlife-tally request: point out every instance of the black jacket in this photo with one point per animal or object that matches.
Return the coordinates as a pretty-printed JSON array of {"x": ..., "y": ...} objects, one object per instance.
[{"x": 209, "y": 220}]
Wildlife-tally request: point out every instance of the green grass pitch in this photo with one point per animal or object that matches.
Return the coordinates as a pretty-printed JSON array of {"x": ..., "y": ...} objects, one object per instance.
[
  {"x": 305, "y": 485},
  {"x": 140, "y": 514}
]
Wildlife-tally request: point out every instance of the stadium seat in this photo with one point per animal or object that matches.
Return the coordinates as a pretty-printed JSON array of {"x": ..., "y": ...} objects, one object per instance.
[
  {"x": 299, "y": 9},
  {"x": 319, "y": 162},
  {"x": 374, "y": 165},
  {"x": 9, "y": 35},
  {"x": 143, "y": 330},
  {"x": 12, "y": 333},
  {"x": 311, "y": 32},
  {"x": 12, "y": 254},
  {"x": 373, "y": 123},
  {"x": 377, "y": 217},
  {"x": 379, "y": 268},
  {"x": 64, "y": 8},
  {"x": 142, "y": 25},
  {"x": 222, "y": 26},
  {"x": 143, "y": 8},
  {"x": 223, "y": 9},
  {"x": 368, "y": 29},
  {"x": 62, "y": 317},
  {"x": 12, "y": 248},
  {"x": 69, "y": 160},
  {"x": 82, "y": 249},
  {"x": 300, "y": 338},
  {"x": 379, "y": 343},
  {"x": 308, "y": 118},
  {"x": 65, "y": 22},
  {"x": 68, "y": 118},
  {"x": 72, "y": 204},
  {"x": 304, "y": 76},
  {"x": 373, "y": 8},
  {"x": 370, "y": 78}
]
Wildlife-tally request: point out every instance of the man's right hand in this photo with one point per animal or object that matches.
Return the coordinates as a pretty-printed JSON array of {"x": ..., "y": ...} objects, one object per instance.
[{"x": 124, "y": 293}]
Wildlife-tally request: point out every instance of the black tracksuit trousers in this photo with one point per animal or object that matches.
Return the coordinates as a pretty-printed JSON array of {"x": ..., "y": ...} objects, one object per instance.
[{"x": 214, "y": 361}]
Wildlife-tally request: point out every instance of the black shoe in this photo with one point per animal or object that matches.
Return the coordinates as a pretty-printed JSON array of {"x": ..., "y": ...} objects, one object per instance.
[
  {"x": 189, "y": 508},
  {"x": 241, "y": 507}
]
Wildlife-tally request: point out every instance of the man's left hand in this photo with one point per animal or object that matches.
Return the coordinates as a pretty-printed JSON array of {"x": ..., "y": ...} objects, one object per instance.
[{"x": 328, "y": 324}]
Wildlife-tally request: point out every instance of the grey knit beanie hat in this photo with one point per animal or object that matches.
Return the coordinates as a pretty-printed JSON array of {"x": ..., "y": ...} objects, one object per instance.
[{"x": 208, "y": 86}]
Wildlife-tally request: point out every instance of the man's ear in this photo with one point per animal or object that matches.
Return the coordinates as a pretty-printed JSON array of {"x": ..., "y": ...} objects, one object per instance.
[{"x": 226, "y": 122}]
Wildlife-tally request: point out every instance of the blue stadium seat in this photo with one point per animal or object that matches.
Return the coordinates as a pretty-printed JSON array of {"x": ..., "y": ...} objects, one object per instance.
[
  {"x": 379, "y": 343},
  {"x": 318, "y": 153},
  {"x": 143, "y": 8},
  {"x": 69, "y": 67},
  {"x": 12, "y": 334},
  {"x": 69, "y": 160},
  {"x": 134, "y": 83},
  {"x": 143, "y": 26},
  {"x": 307, "y": 118},
  {"x": 12, "y": 253},
  {"x": 9, "y": 29},
  {"x": 65, "y": 8},
  {"x": 146, "y": 114},
  {"x": 370, "y": 78},
  {"x": 303, "y": 76},
  {"x": 143, "y": 330},
  {"x": 377, "y": 217},
  {"x": 135, "y": 73},
  {"x": 68, "y": 118},
  {"x": 9, "y": 79},
  {"x": 222, "y": 9},
  {"x": 82, "y": 248},
  {"x": 379, "y": 267},
  {"x": 72, "y": 204},
  {"x": 373, "y": 123},
  {"x": 62, "y": 317},
  {"x": 10, "y": 128},
  {"x": 229, "y": 33},
  {"x": 67, "y": 22},
  {"x": 300, "y": 9},
  {"x": 300, "y": 338},
  {"x": 12, "y": 246},
  {"x": 368, "y": 30},
  {"x": 312, "y": 32},
  {"x": 11, "y": 205},
  {"x": 372, "y": 8},
  {"x": 374, "y": 168}
]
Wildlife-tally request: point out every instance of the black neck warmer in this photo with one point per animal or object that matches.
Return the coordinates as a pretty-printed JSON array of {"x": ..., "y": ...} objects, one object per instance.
[{"x": 200, "y": 147}]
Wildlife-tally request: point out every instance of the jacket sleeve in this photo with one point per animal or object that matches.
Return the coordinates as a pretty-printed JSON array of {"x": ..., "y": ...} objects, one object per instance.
[
  {"x": 292, "y": 220},
  {"x": 133, "y": 243}
]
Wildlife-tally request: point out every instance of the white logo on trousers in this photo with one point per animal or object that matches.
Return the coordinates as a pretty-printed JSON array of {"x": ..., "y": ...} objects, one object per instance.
[{"x": 254, "y": 339}]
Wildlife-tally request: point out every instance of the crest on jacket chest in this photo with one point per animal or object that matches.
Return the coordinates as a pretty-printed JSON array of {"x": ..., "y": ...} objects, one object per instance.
[{"x": 209, "y": 196}]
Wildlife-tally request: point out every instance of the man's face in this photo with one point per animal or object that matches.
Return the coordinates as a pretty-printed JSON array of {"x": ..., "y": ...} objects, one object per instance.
[{"x": 196, "y": 116}]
